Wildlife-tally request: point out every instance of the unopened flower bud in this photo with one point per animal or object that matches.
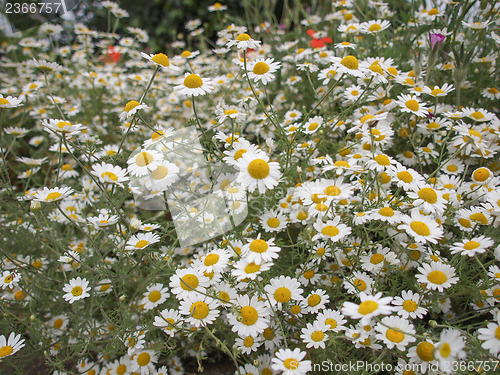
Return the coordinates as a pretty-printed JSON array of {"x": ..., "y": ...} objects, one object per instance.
[{"x": 35, "y": 206}]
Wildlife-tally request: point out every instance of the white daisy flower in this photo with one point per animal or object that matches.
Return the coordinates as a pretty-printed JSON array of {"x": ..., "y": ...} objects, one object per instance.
[
  {"x": 421, "y": 228},
  {"x": 257, "y": 172},
  {"x": 251, "y": 316},
  {"x": 76, "y": 289},
  {"x": 109, "y": 173},
  {"x": 369, "y": 307},
  {"x": 53, "y": 194},
  {"x": 10, "y": 345},
  {"x": 243, "y": 41},
  {"x": 408, "y": 305},
  {"x": 142, "y": 240},
  {"x": 262, "y": 70},
  {"x": 169, "y": 321},
  {"x": 291, "y": 362},
  {"x": 155, "y": 295},
  {"x": 161, "y": 60},
  {"x": 436, "y": 276},
  {"x": 412, "y": 104},
  {"x": 260, "y": 251},
  {"x": 314, "y": 335},
  {"x": 490, "y": 336},
  {"x": 199, "y": 309},
  {"x": 476, "y": 245},
  {"x": 131, "y": 109},
  {"x": 395, "y": 332},
  {"x": 144, "y": 162},
  {"x": 194, "y": 85}
]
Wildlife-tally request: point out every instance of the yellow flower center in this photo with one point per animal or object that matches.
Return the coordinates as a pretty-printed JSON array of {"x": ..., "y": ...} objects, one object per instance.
[
  {"x": 394, "y": 335},
  {"x": 157, "y": 135},
  {"x": 154, "y": 296},
  {"x": 258, "y": 169},
  {"x": 261, "y": 68},
  {"x": 110, "y": 176},
  {"x": 252, "y": 268},
  {"x": 317, "y": 336},
  {"x": 405, "y": 176},
  {"x": 445, "y": 350},
  {"x": 248, "y": 342},
  {"x": 185, "y": 54},
  {"x": 428, "y": 195},
  {"x": 160, "y": 173},
  {"x": 6, "y": 351},
  {"x": 410, "y": 305},
  {"x": 342, "y": 164},
  {"x": 291, "y": 364},
  {"x": 330, "y": 231},
  {"x": 313, "y": 126},
  {"x": 259, "y": 246},
  {"x": 376, "y": 258},
  {"x": 497, "y": 333},
  {"x": 243, "y": 37},
  {"x": 420, "y": 228},
  {"x": 58, "y": 323},
  {"x": 477, "y": 115},
  {"x": 193, "y": 81},
  {"x": 386, "y": 211},
  {"x": 273, "y": 222},
  {"x": 481, "y": 174},
  {"x": 331, "y": 322},
  {"x": 437, "y": 91},
  {"x": 122, "y": 369},
  {"x": 471, "y": 245},
  {"x": 77, "y": 291},
  {"x": 199, "y": 310},
  {"x": 282, "y": 295},
  {"x": 331, "y": 74},
  {"x": 479, "y": 218},
  {"x": 492, "y": 90},
  {"x": 360, "y": 284},
  {"x": 367, "y": 307},
  {"x": 437, "y": 277},
  {"x": 143, "y": 359},
  {"x": 131, "y": 105},
  {"x": 141, "y": 244},
  {"x": 412, "y": 104},
  {"x": 382, "y": 160},
  {"x": 433, "y": 12},
  {"x": 228, "y": 112},
  {"x": 161, "y": 59},
  {"x": 189, "y": 282},
  {"x": 224, "y": 296},
  {"x": 4, "y": 101},
  {"x": 313, "y": 300},
  {"x": 211, "y": 259},
  {"x": 350, "y": 62},
  {"x": 374, "y": 28},
  {"x": 248, "y": 315},
  {"x": 239, "y": 154},
  {"x": 143, "y": 158},
  {"x": 375, "y": 67}
]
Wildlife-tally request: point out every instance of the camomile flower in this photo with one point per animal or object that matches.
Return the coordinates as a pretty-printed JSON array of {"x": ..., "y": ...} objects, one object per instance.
[
  {"x": 453, "y": 166},
  {"x": 273, "y": 221},
  {"x": 482, "y": 176},
  {"x": 251, "y": 316},
  {"x": 53, "y": 194},
  {"x": 428, "y": 199},
  {"x": 131, "y": 109},
  {"x": 169, "y": 321},
  {"x": 283, "y": 289},
  {"x": 163, "y": 176},
  {"x": 161, "y": 60},
  {"x": 10, "y": 102},
  {"x": 257, "y": 172},
  {"x": 155, "y": 295},
  {"x": 377, "y": 260},
  {"x": 369, "y": 307},
  {"x": 10, "y": 345},
  {"x": 328, "y": 74},
  {"x": 331, "y": 230},
  {"x": 144, "y": 162},
  {"x": 188, "y": 281},
  {"x": 316, "y": 301},
  {"x": 58, "y": 323},
  {"x": 260, "y": 251},
  {"x": 262, "y": 70},
  {"x": 76, "y": 289},
  {"x": 436, "y": 276},
  {"x": 243, "y": 41},
  {"x": 437, "y": 91},
  {"x": 143, "y": 362},
  {"x": 395, "y": 332},
  {"x": 45, "y": 66},
  {"x": 291, "y": 362},
  {"x": 333, "y": 319},
  {"x": 244, "y": 269},
  {"x": 61, "y": 127},
  {"x": 407, "y": 178},
  {"x": 349, "y": 65},
  {"x": 215, "y": 260},
  {"x": 412, "y": 104},
  {"x": 248, "y": 345},
  {"x": 476, "y": 245},
  {"x": 109, "y": 173},
  {"x": 103, "y": 220},
  {"x": 314, "y": 335},
  {"x": 489, "y": 336},
  {"x": 9, "y": 279},
  {"x": 142, "y": 240},
  {"x": 423, "y": 355},
  {"x": 450, "y": 347},
  {"x": 422, "y": 228},
  {"x": 194, "y": 85},
  {"x": 313, "y": 124},
  {"x": 200, "y": 310},
  {"x": 134, "y": 341},
  {"x": 408, "y": 305},
  {"x": 374, "y": 26}
]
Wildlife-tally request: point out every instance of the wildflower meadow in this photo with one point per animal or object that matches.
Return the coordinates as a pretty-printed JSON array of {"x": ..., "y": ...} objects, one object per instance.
[{"x": 314, "y": 190}]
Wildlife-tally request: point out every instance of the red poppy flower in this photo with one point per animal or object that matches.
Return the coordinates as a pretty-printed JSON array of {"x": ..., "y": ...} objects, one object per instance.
[
  {"x": 318, "y": 43},
  {"x": 112, "y": 56}
]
